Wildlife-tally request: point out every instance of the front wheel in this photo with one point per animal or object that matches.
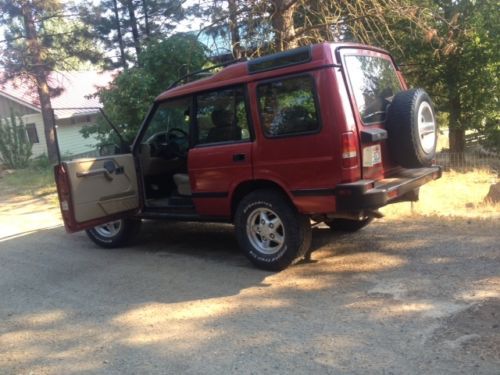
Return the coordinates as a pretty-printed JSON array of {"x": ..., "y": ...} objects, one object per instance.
[
  {"x": 115, "y": 233},
  {"x": 270, "y": 231}
]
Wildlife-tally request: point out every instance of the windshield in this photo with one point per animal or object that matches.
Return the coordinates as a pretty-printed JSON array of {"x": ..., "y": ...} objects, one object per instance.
[{"x": 374, "y": 83}]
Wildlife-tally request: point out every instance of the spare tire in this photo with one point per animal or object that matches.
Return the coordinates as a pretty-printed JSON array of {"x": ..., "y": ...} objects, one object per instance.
[{"x": 412, "y": 130}]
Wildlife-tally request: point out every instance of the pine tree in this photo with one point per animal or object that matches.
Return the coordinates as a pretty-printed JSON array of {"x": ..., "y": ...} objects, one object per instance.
[
  {"x": 125, "y": 27},
  {"x": 33, "y": 47}
]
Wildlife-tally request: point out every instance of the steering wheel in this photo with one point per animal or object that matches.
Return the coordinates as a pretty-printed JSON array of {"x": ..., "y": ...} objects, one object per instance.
[
  {"x": 171, "y": 133},
  {"x": 167, "y": 144}
]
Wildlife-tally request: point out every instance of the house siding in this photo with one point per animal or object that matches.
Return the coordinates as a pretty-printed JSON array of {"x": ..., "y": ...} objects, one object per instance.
[
  {"x": 6, "y": 104},
  {"x": 40, "y": 147},
  {"x": 70, "y": 140}
]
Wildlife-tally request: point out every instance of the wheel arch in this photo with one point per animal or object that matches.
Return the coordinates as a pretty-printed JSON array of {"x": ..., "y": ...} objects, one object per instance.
[{"x": 248, "y": 186}]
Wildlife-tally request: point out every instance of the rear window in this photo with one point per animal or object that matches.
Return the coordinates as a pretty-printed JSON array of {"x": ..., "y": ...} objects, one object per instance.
[{"x": 374, "y": 83}]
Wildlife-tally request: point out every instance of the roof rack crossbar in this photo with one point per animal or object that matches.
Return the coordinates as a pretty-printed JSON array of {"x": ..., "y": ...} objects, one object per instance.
[{"x": 221, "y": 65}]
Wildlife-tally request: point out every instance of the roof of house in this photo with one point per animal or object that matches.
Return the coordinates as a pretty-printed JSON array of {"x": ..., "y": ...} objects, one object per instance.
[{"x": 72, "y": 90}]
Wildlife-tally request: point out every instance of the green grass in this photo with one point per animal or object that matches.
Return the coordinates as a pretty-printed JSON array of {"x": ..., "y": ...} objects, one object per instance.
[{"x": 34, "y": 181}]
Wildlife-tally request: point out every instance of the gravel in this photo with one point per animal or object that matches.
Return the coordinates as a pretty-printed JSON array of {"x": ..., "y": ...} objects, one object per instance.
[{"x": 412, "y": 296}]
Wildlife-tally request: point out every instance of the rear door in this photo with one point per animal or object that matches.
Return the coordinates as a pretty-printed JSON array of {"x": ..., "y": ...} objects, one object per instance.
[
  {"x": 373, "y": 80},
  {"x": 93, "y": 191},
  {"x": 294, "y": 147}
]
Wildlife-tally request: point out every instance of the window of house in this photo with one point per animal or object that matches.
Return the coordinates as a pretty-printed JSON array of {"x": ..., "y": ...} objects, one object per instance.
[
  {"x": 221, "y": 116},
  {"x": 288, "y": 106},
  {"x": 32, "y": 133}
]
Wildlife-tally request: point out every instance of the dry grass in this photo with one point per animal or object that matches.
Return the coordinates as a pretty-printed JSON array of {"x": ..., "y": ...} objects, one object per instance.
[
  {"x": 30, "y": 182},
  {"x": 454, "y": 195}
]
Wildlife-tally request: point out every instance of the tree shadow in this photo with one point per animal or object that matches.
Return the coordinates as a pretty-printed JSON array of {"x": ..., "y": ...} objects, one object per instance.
[{"x": 183, "y": 299}]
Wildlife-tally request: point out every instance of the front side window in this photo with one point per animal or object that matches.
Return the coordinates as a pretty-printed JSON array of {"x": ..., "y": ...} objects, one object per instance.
[
  {"x": 374, "y": 82},
  {"x": 169, "y": 126},
  {"x": 288, "y": 107},
  {"x": 169, "y": 115},
  {"x": 221, "y": 116}
]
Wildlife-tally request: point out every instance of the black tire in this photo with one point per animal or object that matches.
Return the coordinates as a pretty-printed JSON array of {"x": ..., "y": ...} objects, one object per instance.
[
  {"x": 411, "y": 126},
  {"x": 114, "y": 234},
  {"x": 287, "y": 241},
  {"x": 346, "y": 225}
]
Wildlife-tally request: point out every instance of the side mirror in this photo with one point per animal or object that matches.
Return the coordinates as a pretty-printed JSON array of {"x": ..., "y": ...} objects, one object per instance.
[
  {"x": 109, "y": 149},
  {"x": 125, "y": 148}
]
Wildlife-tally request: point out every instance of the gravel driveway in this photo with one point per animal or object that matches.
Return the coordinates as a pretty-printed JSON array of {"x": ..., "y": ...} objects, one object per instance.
[{"x": 418, "y": 296}]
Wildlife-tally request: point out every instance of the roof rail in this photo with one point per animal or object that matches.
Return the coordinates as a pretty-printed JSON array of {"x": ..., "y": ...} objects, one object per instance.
[{"x": 227, "y": 63}]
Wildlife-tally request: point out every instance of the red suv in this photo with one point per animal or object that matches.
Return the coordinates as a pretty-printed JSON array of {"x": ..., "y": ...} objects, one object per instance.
[{"x": 327, "y": 133}]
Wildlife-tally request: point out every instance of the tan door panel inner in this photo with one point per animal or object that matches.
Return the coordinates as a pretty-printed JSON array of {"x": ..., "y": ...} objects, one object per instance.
[{"x": 102, "y": 186}]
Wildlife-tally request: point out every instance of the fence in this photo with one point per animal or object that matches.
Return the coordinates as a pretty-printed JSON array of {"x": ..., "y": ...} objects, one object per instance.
[{"x": 468, "y": 161}]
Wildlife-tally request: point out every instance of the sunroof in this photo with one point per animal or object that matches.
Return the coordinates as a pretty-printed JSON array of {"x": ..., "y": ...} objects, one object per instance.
[{"x": 280, "y": 60}]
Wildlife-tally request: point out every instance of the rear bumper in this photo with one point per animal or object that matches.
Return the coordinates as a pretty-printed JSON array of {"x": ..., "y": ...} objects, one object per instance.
[{"x": 365, "y": 194}]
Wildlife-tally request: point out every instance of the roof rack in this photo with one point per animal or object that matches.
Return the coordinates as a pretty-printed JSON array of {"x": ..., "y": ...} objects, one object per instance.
[
  {"x": 283, "y": 59},
  {"x": 221, "y": 65}
]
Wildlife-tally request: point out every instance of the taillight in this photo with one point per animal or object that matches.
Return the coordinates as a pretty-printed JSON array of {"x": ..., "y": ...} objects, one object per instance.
[
  {"x": 349, "y": 150},
  {"x": 350, "y": 159}
]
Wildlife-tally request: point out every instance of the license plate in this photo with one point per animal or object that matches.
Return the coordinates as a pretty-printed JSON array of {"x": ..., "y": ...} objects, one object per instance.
[{"x": 372, "y": 155}]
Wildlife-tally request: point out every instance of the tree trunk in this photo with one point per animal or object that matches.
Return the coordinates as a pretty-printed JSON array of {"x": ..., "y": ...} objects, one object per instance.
[
  {"x": 40, "y": 76},
  {"x": 146, "y": 18},
  {"x": 456, "y": 135},
  {"x": 133, "y": 26},
  {"x": 123, "y": 58},
  {"x": 282, "y": 21},
  {"x": 233, "y": 29},
  {"x": 457, "y": 140}
]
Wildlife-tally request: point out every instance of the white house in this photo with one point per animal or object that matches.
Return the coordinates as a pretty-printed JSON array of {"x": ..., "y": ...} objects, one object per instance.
[{"x": 74, "y": 107}]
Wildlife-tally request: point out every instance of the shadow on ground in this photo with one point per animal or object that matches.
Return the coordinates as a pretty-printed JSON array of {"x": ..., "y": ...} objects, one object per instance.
[{"x": 396, "y": 297}]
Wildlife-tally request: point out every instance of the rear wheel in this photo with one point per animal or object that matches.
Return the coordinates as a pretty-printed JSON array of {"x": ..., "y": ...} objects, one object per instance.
[
  {"x": 346, "y": 225},
  {"x": 115, "y": 233},
  {"x": 270, "y": 231}
]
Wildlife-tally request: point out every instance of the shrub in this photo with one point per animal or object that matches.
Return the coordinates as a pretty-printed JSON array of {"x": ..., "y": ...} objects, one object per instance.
[
  {"x": 41, "y": 162},
  {"x": 15, "y": 147}
]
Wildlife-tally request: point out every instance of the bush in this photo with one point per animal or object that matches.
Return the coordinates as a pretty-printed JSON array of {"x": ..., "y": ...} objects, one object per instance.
[
  {"x": 127, "y": 100},
  {"x": 41, "y": 162},
  {"x": 15, "y": 147}
]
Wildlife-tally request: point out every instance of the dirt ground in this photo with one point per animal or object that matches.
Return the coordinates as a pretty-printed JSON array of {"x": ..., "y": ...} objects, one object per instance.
[{"x": 419, "y": 295}]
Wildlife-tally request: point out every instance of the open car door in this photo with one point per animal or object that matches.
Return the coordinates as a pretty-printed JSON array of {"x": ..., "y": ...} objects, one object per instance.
[{"x": 94, "y": 191}]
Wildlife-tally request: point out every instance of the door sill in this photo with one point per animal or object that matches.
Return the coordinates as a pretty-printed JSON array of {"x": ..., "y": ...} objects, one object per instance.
[{"x": 172, "y": 202}]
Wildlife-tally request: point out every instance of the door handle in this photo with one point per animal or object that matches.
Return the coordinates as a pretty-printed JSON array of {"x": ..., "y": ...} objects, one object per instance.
[
  {"x": 95, "y": 172},
  {"x": 239, "y": 157}
]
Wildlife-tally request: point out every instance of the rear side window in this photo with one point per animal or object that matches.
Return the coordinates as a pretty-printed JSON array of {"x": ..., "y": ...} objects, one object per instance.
[
  {"x": 221, "y": 116},
  {"x": 374, "y": 83},
  {"x": 288, "y": 107}
]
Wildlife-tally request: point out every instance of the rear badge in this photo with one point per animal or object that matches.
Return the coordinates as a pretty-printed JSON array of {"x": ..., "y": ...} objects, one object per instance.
[{"x": 372, "y": 155}]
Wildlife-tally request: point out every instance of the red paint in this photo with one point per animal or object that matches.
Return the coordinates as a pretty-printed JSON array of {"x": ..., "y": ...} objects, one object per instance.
[
  {"x": 298, "y": 164},
  {"x": 212, "y": 169}
]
